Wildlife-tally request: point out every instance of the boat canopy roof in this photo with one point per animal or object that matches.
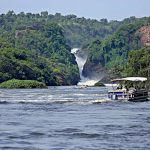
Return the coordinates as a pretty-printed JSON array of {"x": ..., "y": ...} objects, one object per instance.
[{"x": 134, "y": 79}]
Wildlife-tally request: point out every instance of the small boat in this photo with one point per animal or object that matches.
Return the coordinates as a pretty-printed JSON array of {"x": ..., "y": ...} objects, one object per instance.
[{"x": 129, "y": 89}]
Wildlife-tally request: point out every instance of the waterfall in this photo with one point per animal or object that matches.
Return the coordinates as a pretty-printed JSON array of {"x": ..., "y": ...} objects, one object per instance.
[{"x": 81, "y": 60}]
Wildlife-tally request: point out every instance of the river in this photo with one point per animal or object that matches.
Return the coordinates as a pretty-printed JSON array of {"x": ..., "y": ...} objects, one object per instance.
[{"x": 71, "y": 118}]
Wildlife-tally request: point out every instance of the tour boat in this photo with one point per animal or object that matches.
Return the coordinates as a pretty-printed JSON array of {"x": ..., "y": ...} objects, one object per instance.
[{"x": 124, "y": 91}]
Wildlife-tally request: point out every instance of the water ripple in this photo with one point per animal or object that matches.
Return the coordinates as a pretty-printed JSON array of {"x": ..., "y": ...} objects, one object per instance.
[{"x": 71, "y": 118}]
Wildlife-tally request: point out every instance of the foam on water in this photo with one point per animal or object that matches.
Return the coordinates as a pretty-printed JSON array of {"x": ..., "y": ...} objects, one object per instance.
[
  {"x": 69, "y": 95},
  {"x": 87, "y": 82}
]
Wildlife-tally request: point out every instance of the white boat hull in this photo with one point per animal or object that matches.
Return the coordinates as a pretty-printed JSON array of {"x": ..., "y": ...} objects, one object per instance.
[{"x": 136, "y": 96}]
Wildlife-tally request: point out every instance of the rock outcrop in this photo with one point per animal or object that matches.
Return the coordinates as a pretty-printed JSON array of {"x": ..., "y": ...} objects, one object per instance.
[
  {"x": 93, "y": 70},
  {"x": 145, "y": 35}
]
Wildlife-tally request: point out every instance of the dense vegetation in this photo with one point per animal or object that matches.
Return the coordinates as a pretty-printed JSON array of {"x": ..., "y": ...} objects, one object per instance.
[
  {"x": 35, "y": 50},
  {"x": 112, "y": 53},
  {"x": 27, "y": 65},
  {"x": 77, "y": 31},
  {"x": 81, "y": 31},
  {"x": 37, "y": 46},
  {"x": 22, "y": 84},
  {"x": 139, "y": 62}
]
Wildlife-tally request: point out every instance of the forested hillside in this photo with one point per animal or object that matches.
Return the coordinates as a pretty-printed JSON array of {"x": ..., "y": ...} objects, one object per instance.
[
  {"x": 38, "y": 46},
  {"x": 35, "y": 50},
  {"x": 77, "y": 31},
  {"x": 112, "y": 52}
]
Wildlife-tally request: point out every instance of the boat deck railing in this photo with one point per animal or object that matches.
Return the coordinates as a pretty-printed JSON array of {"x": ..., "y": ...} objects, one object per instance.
[{"x": 130, "y": 95}]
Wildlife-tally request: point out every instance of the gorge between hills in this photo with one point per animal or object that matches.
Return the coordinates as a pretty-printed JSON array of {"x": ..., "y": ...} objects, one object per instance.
[{"x": 38, "y": 47}]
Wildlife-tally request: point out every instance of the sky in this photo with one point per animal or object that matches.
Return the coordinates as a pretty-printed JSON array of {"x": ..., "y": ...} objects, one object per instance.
[{"x": 95, "y": 9}]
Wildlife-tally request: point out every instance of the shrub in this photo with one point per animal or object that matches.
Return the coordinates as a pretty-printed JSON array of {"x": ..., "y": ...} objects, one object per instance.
[
  {"x": 14, "y": 83},
  {"x": 99, "y": 84}
]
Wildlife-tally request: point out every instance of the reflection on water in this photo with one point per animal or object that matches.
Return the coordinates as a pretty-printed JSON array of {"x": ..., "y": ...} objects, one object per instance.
[{"x": 71, "y": 118}]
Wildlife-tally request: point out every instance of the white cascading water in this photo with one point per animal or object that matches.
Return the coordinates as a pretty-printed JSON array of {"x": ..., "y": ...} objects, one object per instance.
[{"x": 80, "y": 62}]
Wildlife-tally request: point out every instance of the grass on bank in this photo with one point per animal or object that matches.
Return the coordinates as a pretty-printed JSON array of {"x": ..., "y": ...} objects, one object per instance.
[{"x": 14, "y": 83}]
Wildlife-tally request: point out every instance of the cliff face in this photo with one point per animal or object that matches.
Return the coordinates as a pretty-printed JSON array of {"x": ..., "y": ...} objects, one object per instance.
[
  {"x": 145, "y": 35},
  {"x": 93, "y": 70},
  {"x": 111, "y": 54}
]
